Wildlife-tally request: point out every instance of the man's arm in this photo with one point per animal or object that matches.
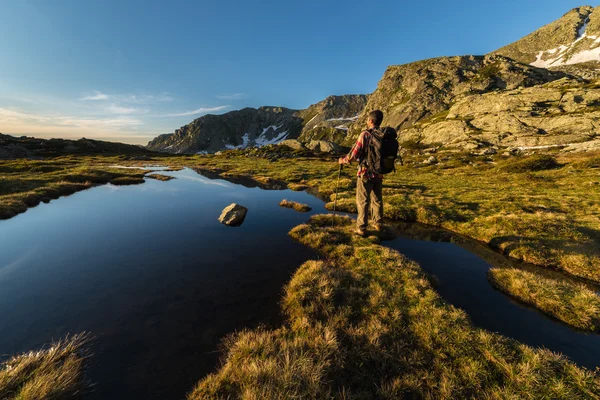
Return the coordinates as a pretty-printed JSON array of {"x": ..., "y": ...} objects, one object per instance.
[{"x": 356, "y": 152}]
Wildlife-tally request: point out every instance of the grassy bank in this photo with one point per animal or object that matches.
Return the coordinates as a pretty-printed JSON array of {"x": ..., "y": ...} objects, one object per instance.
[
  {"x": 573, "y": 304},
  {"x": 365, "y": 323},
  {"x": 54, "y": 373}
]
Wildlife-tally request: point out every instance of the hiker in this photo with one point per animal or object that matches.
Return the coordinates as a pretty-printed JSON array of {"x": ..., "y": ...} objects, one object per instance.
[{"x": 369, "y": 182}]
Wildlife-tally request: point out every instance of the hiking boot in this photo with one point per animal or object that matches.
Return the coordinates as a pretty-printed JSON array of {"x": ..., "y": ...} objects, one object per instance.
[{"x": 360, "y": 232}]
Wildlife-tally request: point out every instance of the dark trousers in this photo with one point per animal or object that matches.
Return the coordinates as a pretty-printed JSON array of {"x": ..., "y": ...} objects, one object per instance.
[{"x": 368, "y": 196}]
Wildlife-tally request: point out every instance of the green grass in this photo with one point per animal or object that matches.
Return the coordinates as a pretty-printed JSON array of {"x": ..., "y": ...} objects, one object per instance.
[
  {"x": 53, "y": 373},
  {"x": 365, "y": 323},
  {"x": 295, "y": 205},
  {"x": 573, "y": 304}
]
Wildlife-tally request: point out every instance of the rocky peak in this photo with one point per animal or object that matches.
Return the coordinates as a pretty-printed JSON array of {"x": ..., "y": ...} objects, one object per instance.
[
  {"x": 330, "y": 119},
  {"x": 572, "y": 39}
]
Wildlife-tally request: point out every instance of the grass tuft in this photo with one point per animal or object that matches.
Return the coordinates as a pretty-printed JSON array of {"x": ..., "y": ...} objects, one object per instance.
[
  {"x": 160, "y": 177},
  {"x": 531, "y": 164},
  {"x": 295, "y": 205},
  {"x": 53, "y": 373}
]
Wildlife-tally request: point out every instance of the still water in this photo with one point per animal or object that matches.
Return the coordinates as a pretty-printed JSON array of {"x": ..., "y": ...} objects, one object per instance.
[{"x": 151, "y": 273}]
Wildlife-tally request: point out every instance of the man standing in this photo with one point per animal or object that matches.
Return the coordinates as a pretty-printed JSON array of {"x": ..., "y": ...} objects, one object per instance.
[{"x": 369, "y": 183}]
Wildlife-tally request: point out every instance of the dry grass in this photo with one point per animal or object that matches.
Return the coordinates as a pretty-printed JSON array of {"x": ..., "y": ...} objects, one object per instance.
[
  {"x": 295, "y": 205},
  {"x": 55, "y": 373},
  {"x": 573, "y": 304},
  {"x": 366, "y": 324}
]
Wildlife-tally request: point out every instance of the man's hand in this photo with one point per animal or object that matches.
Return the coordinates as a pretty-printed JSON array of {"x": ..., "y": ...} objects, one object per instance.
[{"x": 342, "y": 160}]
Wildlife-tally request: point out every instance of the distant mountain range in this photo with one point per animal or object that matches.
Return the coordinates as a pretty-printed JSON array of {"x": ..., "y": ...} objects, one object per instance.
[
  {"x": 538, "y": 92},
  {"x": 27, "y": 147}
]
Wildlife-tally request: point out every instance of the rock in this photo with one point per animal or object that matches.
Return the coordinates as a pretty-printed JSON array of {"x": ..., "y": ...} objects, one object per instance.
[
  {"x": 324, "y": 146},
  {"x": 292, "y": 143},
  {"x": 489, "y": 151},
  {"x": 233, "y": 215},
  {"x": 430, "y": 161}
]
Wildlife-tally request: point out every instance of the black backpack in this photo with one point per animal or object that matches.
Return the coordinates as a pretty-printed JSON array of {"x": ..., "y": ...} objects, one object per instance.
[{"x": 382, "y": 150}]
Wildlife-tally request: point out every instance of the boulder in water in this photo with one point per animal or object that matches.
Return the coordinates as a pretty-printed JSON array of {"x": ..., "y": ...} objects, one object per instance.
[{"x": 233, "y": 215}]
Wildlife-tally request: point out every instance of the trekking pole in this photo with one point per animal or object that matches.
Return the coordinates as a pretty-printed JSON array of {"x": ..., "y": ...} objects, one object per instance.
[{"x": 337, "y": 186}]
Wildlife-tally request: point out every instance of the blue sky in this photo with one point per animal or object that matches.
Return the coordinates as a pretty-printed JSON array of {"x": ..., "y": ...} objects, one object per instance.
[{"x": 129, "y": 70}]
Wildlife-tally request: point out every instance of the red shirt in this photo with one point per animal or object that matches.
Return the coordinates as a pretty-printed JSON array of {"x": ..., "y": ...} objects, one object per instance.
[{"x": 359, "y": 152}]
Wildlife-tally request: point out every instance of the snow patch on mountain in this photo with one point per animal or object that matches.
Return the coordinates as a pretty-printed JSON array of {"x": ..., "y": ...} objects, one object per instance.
[
  {"x": 245, "y": 143},
  {"x": 567, "y": 54},
  {"x": 262, "y": 141},
  {"x": 345, "y": 118}
]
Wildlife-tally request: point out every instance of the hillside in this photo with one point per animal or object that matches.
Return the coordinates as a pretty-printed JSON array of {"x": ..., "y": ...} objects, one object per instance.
[
  {"x": 29, "y": 147},
  {"x": 412, "y": 93}
]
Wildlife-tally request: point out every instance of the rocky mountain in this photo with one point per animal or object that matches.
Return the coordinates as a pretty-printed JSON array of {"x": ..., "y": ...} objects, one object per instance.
[
  {"x": 249, "y": 127},
  {"x": 571, "y": 40},
  {"x": 330, "y": 119},
  {"x": 235, "y": 129},
  {"x": 411, "y": 93}
]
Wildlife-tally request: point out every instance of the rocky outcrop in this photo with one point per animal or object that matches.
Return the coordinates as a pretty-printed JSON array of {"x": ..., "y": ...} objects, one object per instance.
[
  {"x": 233, "y": 215},
  {"x": 292, "y": 144},
  {"x": 236, "y": 129},
  {"x": 570, "y": 40},
  {"x": 330, "y": 119},
  {"x": 562, "y": 113},
  {"x": 324, "y": 146},
  {"x": 408, "y": 94}
]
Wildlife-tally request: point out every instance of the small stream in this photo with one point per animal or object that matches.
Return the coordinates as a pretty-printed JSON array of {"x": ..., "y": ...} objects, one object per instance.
[
  {"x": 158, "y": 281},
  {"x": 459, "y": 271}
]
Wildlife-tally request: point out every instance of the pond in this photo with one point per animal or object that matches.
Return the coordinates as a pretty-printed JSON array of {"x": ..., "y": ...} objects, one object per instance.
[{"x": 151, "y": 273}]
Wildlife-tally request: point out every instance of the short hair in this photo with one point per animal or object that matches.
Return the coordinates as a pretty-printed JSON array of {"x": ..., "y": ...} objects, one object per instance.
[{"x": 376, "y": 116}]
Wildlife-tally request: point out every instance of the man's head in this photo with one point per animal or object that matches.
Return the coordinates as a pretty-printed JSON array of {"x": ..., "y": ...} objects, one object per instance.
[{"x": 374, "y": 119}]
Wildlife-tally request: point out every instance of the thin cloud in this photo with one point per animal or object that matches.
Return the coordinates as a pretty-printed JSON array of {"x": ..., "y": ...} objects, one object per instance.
[
  {"x": 202, "y": 110},
  {"x": 16, "y": 117},
  {"x": 232, "y": 96},
  {"x": 98, "y": 96},
  {"x": 144, "y": 98},
  {"x": 115, "y": 109}
]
